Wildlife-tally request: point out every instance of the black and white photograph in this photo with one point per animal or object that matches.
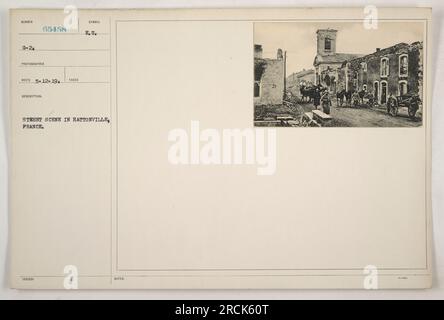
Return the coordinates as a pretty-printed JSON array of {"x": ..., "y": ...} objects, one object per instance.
[{"x": 338, "y": 74}]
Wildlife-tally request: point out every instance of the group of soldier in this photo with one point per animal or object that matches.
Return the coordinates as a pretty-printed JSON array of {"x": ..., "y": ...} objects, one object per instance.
[{"x": 322, "y": 99}]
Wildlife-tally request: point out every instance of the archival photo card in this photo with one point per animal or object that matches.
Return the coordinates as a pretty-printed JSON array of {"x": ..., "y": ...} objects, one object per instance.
[{"x": 135, "y": 163}]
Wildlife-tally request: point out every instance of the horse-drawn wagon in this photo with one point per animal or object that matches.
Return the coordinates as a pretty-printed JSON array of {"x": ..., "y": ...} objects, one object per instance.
[{"x": 409, "y": 101}]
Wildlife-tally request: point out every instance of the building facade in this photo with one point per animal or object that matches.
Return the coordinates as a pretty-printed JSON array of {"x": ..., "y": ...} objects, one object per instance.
[
  {"x": 269, "y": 78},
  {"x": 396, "y": 70}
]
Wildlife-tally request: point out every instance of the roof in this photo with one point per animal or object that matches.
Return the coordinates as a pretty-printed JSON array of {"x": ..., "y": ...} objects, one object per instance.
[
  {"x": 336, "y": 58},
  {"x": 328, "y": 30},
  {"x": 382, "y": 52},
  {"x": 304, "y": 72},
  {"x": 301, "y": 73}
]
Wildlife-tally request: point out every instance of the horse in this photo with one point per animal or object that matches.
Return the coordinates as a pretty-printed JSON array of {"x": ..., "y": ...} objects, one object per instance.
[
  {"x": 348, "y": 96},
  {"x": 340, "y": 95},
  {"x": 307, "y": 92}
]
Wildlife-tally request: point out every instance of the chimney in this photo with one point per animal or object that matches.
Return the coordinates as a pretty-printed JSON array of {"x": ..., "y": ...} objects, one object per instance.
[
  {"x": 258, "y": 51},
  {"x": 279, "y": 54},
  {"x": 378, "y": 49}
]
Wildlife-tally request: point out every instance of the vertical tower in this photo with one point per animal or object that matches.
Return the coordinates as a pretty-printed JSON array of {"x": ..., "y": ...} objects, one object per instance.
[{"x": 326, "y": 41}]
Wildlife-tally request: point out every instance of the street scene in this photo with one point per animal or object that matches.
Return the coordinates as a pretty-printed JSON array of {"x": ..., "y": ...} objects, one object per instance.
[{"x": 302, "y": 78}]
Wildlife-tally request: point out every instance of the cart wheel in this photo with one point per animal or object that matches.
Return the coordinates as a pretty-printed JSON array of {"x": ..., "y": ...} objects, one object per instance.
[{"x": 412, "y": 112}]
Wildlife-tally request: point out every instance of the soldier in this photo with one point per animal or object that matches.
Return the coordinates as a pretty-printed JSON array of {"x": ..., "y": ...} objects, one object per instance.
[
  {"x": 326, "y": 102},
  {"x": 370, "y": 99},
  {"x": 355, "y": 99},
  {"x": 317, "y": 96},
  {"x": 392, "y": 105}
]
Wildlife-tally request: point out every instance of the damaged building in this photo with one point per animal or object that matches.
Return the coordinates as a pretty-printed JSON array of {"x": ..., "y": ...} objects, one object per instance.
[
  {"x": 269, "y": 78},
  {"x": 396, "y": 70}
]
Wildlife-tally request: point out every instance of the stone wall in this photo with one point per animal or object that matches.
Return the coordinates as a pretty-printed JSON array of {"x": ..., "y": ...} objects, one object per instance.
[{"x": 271, "y": 81}]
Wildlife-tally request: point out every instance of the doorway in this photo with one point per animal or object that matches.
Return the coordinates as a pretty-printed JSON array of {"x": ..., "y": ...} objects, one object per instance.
[
  {"x": 383, "y": 92},
  {"x": 376, "y": 90}
]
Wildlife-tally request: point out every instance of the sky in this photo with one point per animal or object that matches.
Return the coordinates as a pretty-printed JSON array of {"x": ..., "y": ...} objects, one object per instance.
[{"x": 299, "y": 39}]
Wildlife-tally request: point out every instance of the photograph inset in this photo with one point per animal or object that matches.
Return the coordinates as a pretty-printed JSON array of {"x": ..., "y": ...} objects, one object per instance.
[{"x": 338, "y": 74}]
